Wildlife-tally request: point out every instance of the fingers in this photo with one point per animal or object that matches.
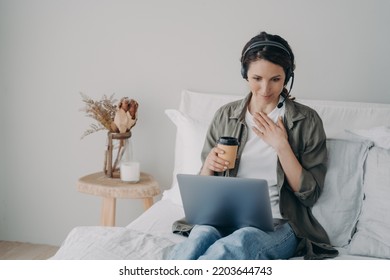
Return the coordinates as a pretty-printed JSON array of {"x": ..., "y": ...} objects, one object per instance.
[
  {"x": 263, "y": 123},
  {"x": 266, "y": 129},
  {"x": 258, "y": 131},
  {"x": 262, "y": 120},
  {"x": 214, "y": 162}
]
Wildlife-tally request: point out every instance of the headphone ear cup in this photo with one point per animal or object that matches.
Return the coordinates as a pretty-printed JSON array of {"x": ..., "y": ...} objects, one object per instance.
[
  {"x": 289, "y": 74},
  {"x": 244, "y": 72}
]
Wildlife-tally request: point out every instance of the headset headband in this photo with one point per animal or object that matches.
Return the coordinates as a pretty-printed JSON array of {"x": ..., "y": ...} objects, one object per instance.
[{"x": 263, "y": 44}]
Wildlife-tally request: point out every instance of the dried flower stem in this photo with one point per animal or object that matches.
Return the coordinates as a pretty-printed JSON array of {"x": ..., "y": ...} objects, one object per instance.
[{"x": 102, "y": 111}]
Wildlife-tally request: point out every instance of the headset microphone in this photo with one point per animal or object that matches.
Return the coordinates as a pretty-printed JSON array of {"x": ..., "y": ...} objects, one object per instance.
[{"x": 280, "y": 104}]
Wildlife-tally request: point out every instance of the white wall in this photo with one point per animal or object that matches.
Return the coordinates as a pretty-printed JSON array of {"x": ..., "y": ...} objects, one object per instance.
[{"x": 149, "y": 50}]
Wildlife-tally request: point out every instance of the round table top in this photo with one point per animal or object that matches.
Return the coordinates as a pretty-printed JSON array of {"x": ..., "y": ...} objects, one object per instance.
[{"x": 101, "y": 185}]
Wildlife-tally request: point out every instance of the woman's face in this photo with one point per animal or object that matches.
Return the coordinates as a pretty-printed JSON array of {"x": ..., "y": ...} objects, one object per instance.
[{"x": 266, "y": 81}]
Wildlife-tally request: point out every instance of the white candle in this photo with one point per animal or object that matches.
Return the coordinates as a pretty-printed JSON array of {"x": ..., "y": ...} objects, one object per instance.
[{"x": 130, "y": 171}]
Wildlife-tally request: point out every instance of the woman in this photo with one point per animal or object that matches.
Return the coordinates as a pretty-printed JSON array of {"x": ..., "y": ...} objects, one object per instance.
[{"x": 281, "y": 141}]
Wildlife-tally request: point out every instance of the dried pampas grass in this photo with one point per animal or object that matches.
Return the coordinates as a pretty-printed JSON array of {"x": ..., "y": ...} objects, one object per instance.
[{"x": 103, "y": 111}]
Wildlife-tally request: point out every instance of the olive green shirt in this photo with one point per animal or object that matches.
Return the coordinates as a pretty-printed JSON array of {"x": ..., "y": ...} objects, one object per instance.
[{"x": 307, "y": 139}]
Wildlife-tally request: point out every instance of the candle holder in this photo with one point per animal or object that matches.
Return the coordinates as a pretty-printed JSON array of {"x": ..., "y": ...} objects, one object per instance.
[
  {"x": 119, "y": 149},
  {"x": 130, "y": 171}
]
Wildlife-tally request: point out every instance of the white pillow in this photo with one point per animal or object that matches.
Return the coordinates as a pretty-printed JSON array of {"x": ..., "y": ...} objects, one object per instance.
[
  {"x": 380, "y": 135},
  {"x": 372, "y": 237},
  {"x": 202, "y": 106},
  {"x": 340, "y": 203},
  {"x": 190, "y": 138},
  {"x": 338, "y": 115}
]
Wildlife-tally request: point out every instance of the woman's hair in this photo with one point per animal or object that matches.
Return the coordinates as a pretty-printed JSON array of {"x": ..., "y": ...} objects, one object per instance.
[{"x": 276, "y": 51}]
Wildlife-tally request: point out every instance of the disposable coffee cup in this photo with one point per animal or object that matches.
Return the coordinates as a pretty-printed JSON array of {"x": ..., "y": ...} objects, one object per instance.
[{"x": 230, "y": 146}]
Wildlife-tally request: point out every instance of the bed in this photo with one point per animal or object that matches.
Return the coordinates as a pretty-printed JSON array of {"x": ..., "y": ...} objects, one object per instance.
[{"x": 353, "y": 208}]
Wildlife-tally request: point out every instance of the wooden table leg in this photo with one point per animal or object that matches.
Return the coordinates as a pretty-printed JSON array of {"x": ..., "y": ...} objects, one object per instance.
[
  {"x": 108, "y": 212},
  {"x": 148, "y": 202}
]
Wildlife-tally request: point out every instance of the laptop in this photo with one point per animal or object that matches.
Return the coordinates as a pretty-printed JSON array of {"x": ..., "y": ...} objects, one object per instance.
[{"x": 226, "y": 202}]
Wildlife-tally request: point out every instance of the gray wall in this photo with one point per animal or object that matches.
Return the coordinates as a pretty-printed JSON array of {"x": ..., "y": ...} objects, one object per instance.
[{"x": 149, "y": 50}]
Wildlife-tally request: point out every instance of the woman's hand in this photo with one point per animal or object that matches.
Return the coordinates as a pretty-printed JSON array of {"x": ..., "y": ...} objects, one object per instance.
[
  {"x": 214, "y": 163},
  {"x": 274, "y": 134}
]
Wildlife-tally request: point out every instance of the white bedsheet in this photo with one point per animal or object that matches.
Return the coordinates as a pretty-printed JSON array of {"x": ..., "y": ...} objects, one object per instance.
[
  {"x": 148, "y": 237},
  {"x": 158, "y": 220}
]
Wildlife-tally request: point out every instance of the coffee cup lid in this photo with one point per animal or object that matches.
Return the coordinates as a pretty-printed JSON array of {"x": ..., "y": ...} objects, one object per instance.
[{"x": 227, "y": 140}]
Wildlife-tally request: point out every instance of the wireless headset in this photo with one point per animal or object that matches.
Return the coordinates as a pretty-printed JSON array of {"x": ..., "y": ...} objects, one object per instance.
[{"x": 289, "y": 72}]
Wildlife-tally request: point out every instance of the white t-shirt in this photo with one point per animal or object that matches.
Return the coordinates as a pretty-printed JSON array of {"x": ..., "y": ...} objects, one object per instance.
[{"x": 259, "y": 160}]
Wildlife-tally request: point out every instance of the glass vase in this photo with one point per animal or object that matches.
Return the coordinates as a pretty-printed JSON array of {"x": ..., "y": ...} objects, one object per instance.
[{"x": 119, "y": 149}]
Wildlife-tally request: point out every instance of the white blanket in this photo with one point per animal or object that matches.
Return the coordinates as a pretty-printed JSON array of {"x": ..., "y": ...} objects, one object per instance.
[
  {"x": 112, "y": 243},
  {"x": 148, "y": 237}
]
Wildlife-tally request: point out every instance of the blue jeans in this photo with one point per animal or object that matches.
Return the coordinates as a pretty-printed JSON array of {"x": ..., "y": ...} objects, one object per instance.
[{"x": 249, "y": 243}]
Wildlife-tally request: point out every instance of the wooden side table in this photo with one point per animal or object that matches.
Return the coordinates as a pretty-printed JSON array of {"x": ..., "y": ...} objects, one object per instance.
[{"x": 112, "y": 188}]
